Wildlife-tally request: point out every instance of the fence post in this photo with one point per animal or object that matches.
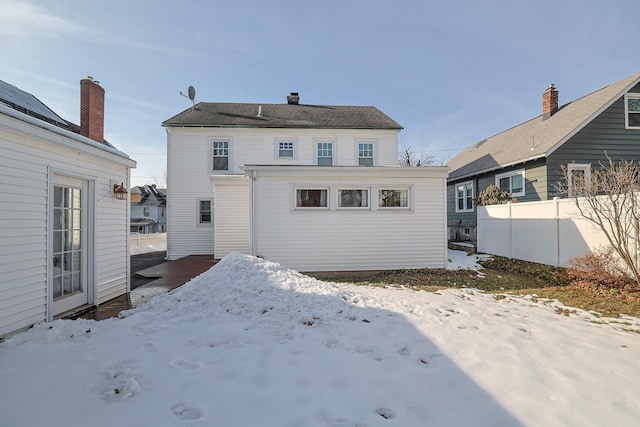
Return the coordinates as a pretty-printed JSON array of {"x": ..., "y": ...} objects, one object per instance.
[
  {"x": 556, "y": 200},
  {"x": 510, "y": 231}
]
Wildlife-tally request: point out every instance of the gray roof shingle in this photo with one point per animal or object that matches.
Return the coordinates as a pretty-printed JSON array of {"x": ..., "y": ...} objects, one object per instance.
[
  {"x": 214, "y": 114},
  {"x": 537, "y": 137}
]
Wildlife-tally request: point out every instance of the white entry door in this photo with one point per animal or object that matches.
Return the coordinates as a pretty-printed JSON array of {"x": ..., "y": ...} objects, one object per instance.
[{"x": 69, "y": 252}]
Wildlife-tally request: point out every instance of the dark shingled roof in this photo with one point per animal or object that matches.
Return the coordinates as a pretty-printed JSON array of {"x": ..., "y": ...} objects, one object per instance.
[
  {"x": 234, "y": 115},
  {"x": 28, "y": 104}
]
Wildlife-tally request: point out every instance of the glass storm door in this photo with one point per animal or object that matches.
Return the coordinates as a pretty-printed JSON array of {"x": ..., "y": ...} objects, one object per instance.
[{"x": 69, "y": 254}]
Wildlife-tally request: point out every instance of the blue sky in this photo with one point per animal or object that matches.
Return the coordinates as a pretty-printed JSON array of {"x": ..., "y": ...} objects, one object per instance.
[{"x": 450, "y": 72}]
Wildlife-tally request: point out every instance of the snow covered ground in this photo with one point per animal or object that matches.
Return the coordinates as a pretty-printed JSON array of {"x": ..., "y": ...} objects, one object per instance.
[{"x": 249, "y": 343}]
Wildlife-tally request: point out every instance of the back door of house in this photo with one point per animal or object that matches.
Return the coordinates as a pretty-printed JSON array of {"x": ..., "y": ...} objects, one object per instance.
[{"x": 69, "y": 251}]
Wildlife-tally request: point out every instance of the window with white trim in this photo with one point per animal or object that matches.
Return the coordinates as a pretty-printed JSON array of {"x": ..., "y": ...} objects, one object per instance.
[
  {"x": 393, "y": 198},
  {"x": 511, "y": 182},
  {"x": 220, "y": 154},
  {"x": 579, "y": 178},
  {"x": 464, "y": 197},
  {"x": 324, "y": 153},
  {"x": 353, "y": 198},
  {"x": 311, "y": 198},
  {"x": 366, "y": 153},
  {"x": 204, "y": 211},
  {"x": 286, "y": 149},
  {"x": 632, "y": 110}
]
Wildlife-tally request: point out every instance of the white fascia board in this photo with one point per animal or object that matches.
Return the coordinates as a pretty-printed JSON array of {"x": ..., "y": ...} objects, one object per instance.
[{"x": 360, "y": 171}]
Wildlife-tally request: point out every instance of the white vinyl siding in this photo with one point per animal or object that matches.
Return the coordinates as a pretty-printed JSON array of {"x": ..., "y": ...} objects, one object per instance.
[
  {"x": 231, "y": 224},
  {"x": 190, "y": 174},
  {"x": 29, "y": 157},
  {"x": 188, "y": 181},
  {"x": 256, "y": 146},
  {"x": 351, "y": 239}
]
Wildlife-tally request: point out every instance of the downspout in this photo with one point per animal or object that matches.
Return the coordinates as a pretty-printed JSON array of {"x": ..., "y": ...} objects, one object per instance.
[{"x": 252, "y": 204}]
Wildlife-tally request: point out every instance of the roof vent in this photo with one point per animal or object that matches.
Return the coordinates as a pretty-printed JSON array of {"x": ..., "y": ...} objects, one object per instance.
[{"x": 293, "y": 99}]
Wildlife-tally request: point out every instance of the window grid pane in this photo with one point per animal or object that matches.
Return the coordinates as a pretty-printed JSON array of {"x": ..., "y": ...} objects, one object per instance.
[
  {"x": 220, "y": 151},
  {"x": 285, "y": 149}
]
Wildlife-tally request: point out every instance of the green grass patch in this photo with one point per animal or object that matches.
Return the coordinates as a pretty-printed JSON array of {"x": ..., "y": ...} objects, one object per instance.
[{"x": 501, "y": 275}]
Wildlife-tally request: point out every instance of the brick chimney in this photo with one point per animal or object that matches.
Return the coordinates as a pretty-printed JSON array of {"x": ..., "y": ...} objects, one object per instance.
[
  {"x": 92, "y": 109},
  {"x": 293, "y": 99},
  {"x": 549, "y": 101}
]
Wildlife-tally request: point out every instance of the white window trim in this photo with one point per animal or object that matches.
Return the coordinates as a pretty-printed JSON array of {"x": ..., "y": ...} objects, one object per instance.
[
  {"x": 571, "y": 167},
  {"x": 510, "y": 174},
  {"x": 294, "y": 198},
  {"x": 315, "y": 149},
  {"x": 626, "y": 109},
  {"x": 375, "y": 150},
  {"x": 353, "y": 208},
  {"x": 276, "y": 147},
  {"x": 229, "y": 160},
  {"x": 409, "y": 206},
  {"x": 198, "y": 212},
  {"x": 455, "y": 189}
]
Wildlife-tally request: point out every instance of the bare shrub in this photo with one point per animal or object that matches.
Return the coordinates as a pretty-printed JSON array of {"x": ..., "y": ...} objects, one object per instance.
[
  {"x": 600, "y": 271},
  {"x": 609, "y": 197}
]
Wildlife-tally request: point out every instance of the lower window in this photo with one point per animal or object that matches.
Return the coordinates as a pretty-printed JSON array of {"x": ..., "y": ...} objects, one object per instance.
[
  {"x": 311, "y": 198},
  {"x": 393, "y": 198},
  {"x": 204, "y": 211},
  {"x": 353, "y": 198}
]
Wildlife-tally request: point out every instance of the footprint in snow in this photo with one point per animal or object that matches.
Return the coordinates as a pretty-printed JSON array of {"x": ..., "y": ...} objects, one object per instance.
[
  {"x": 150, "y": 347},
  {"x": 187, "y": 366},
  {"x": 185, "y": 412}
]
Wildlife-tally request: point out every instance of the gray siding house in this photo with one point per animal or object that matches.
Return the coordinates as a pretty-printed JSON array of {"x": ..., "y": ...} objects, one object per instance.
[
  {"x": 527, "y": 159},
  {"x": 148, "y": 209}
]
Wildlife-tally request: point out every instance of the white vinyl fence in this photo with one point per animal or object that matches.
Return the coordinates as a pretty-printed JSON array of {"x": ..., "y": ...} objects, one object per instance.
[
  {"x": 548, "y": 232},
  {"x": 138, "y": 242}
]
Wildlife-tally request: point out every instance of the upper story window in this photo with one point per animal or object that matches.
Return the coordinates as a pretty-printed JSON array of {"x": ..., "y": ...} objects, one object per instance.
[
  {"x": 365, "y": 153},
  {"x": 579, "y": 177},
  {"x": 393, "y": 198},
  {"x": 145, "y": 212},
  {"x": 353, "y": 198},
  {"x": 464, "y": 197},
  {"x": 285, "y": 149},
  {"x": 632, "y": 110},
  {"x": 220, "y": 153},
  {"x": 511, "y": 182},
  {"x": 324, "y": 153}
]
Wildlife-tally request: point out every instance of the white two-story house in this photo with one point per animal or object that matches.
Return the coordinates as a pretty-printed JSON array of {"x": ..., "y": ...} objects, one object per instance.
[{"x": 313, "y": 187}]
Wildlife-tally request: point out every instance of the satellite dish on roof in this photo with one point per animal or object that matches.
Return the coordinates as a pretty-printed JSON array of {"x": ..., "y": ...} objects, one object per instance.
[{"x": 191, "y": 94}]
